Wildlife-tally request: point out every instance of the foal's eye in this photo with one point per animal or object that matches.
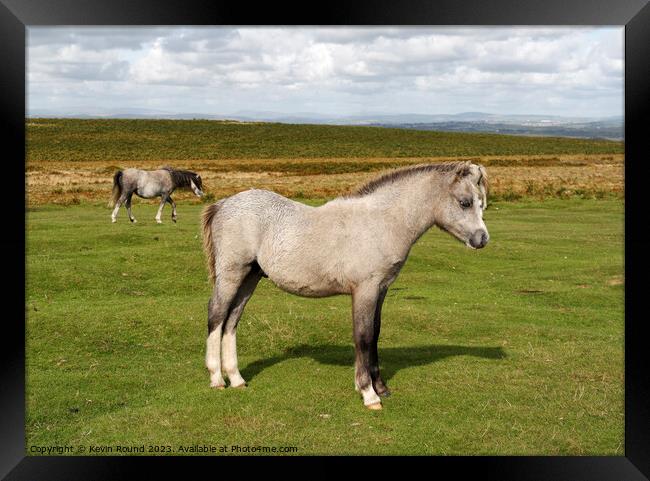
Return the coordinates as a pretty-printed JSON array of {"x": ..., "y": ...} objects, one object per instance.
[{"x": 465, "y": 203}]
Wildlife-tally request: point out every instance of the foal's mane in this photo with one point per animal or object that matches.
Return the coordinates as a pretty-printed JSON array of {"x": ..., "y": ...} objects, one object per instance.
[
  {"x": 182, "y": 178},
  {"x": 399, "y": 174}
]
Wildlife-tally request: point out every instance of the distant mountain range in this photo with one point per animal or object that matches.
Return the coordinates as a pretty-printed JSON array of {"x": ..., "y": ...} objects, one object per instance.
[
  {"x": 611, "y": 129},
  {"x": 537, "y": 125}
]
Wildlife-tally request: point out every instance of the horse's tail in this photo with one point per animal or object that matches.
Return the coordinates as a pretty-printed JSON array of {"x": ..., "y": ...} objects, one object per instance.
[
  {"x": 208, "y": 244},
  {"x": 117, "y": 188}
]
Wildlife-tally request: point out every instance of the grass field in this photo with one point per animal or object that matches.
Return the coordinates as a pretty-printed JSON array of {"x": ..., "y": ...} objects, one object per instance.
[{"x": 514, "y": 349}]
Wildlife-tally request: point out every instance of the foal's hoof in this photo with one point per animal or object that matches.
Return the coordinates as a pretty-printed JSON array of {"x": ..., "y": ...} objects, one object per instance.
[
  {"x": 217, "y": 386},
  {"x": 158, "y": 221},
  {"x": 240, "y": 386},
  {"x": 133, "y": 220},
  {"x": 374, "y": 407},
  {"x": 174, "y": 220},
  {"x": 113, "y": 221},
  {"x": 385, "y": 393}
]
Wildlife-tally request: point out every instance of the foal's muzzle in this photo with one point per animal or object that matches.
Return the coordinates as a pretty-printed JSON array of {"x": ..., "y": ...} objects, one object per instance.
[{"x": 479, "y": 239}]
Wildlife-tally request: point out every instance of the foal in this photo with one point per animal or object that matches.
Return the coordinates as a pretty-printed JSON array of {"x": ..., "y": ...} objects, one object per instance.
[
  {"x": 147, "y": 184},
  {"x": 353, "y": 245}
]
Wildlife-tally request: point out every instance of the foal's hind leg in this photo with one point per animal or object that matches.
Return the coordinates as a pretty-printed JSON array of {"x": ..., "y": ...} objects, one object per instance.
[
  {"x": 118, "y": 204},
  {"x": 225, "y": 289},
  {"x": 229, "y": 339},
  {"x": 364, "y": 304},
  {"x": 128, "y": 208}
]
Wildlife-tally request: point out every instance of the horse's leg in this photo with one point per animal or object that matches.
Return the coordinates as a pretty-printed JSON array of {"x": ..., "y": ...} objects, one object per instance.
[
  {"x": 229, "y": 339},
  {"x": 364, "y": 305},
  {"x": 225, "y": 289},
  {"x": 173, "y": 204},
  {"x": 377, "y": 381},
  {"x": 118, "y": 204},
  {"x": 163, "y": 200},
  {"x": 128, "y": 207}
]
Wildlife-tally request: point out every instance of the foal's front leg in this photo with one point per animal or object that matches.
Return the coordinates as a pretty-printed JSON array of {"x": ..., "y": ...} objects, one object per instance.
[
  {"x": 377, "y": 381},
  {"x": 173, "y": 204},
  {"x": 163, "y": 200},
  {"x": 364, "y": 303}
]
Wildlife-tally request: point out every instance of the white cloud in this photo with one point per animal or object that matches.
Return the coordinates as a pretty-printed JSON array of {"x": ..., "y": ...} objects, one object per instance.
[{"x": 335, "y": 70}]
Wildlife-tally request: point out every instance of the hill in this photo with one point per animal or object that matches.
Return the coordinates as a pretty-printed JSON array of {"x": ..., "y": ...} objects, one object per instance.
[{"x": 139, "y": 139}]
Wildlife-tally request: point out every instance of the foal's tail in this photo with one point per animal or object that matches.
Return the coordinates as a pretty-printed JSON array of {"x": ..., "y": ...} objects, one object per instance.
[
  {"x": 208, "y": 245},
  {"x": 117, "y": 188}
]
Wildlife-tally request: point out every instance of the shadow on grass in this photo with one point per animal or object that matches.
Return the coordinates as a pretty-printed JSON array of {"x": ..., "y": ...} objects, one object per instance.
[{"x": 391, "y": 359}]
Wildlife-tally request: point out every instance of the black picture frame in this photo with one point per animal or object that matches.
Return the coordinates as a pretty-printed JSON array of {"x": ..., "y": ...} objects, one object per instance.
[{"x": 16, "y": 15}]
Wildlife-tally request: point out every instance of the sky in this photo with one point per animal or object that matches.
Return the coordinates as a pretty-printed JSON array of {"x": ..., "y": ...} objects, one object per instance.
[{"x": 567, "y": 71}]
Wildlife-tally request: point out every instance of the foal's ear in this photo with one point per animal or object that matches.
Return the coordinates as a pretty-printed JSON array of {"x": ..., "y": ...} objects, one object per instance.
[
  {"x": 463, "y": 170},
  {"x": 482, "y": 184}
]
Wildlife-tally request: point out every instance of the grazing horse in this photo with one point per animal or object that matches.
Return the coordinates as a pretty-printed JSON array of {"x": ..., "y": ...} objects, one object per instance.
[
  {"x": 148, "y": 184},
  {"x": 355, "y": 244}
]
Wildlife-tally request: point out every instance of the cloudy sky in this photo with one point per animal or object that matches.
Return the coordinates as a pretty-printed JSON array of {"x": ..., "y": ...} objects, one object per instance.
[{"x": 337, "y": 71}]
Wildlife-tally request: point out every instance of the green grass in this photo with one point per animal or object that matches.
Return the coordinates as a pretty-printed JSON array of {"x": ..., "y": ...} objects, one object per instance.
[
  {"x": 136, "y": 140},
  {"x": 514, "y": 349}
]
